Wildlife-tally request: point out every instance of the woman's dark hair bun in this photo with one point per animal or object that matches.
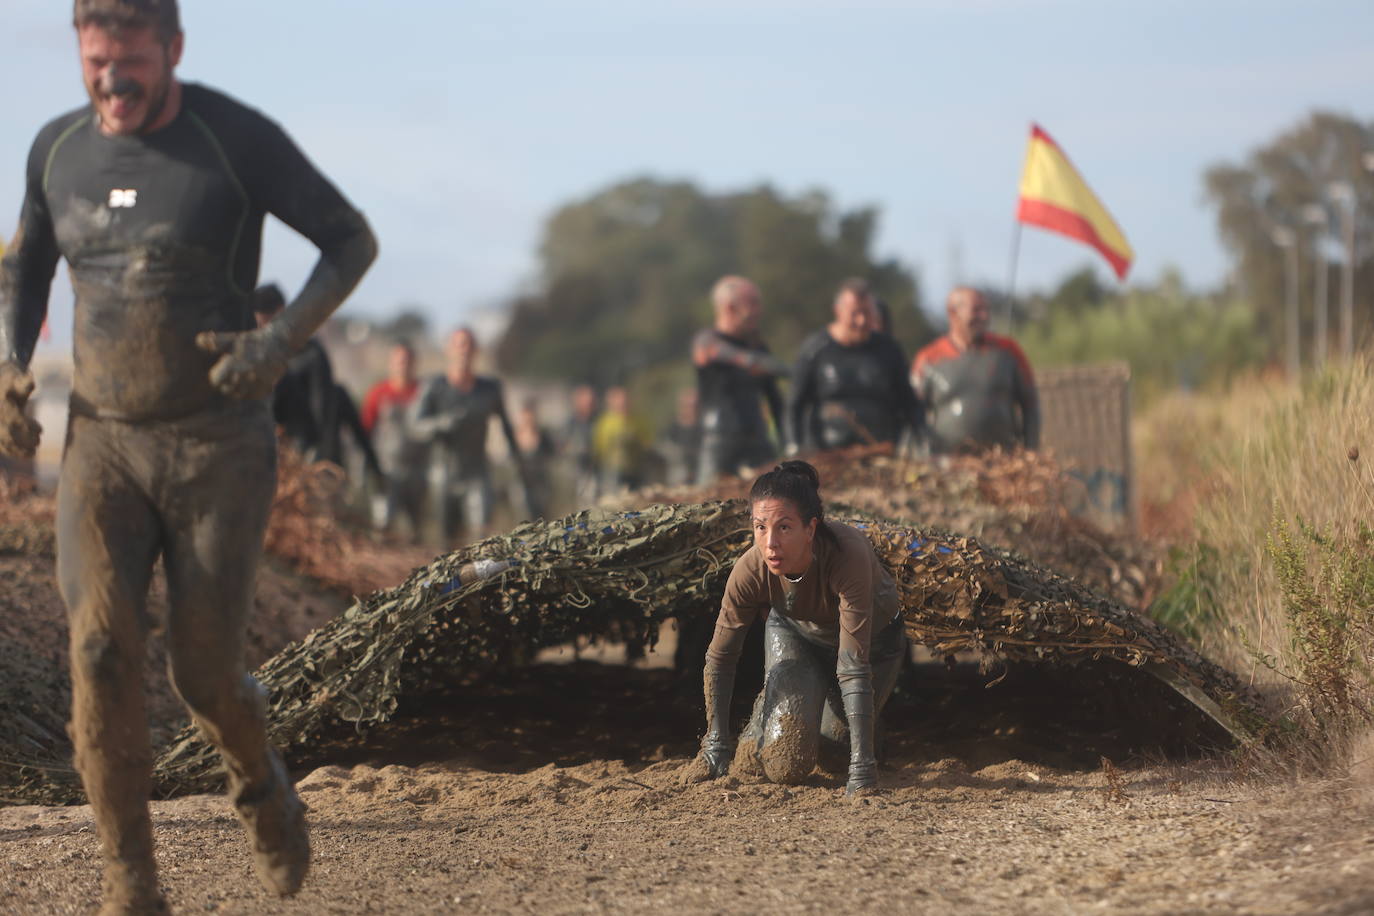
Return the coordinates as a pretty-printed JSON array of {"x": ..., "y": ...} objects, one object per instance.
[{"x": 802, "y": 469}]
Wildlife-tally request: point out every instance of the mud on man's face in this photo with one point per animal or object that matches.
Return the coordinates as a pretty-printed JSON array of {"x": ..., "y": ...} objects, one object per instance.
[{"x": 128, "y": 76}]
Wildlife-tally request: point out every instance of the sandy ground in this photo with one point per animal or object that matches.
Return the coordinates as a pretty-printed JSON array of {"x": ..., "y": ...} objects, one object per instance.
[
  {"x": 556, "y": 788},
  {"x": 33, "y": 636},
  {"x": 558, "y": 791}
]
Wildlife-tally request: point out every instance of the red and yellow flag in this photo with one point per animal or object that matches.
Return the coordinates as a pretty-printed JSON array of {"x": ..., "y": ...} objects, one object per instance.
[{"x": 1055, "y": 197}]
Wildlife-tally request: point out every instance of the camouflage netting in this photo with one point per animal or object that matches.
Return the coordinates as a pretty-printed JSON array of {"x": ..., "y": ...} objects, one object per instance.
[
  {"x": 1021, "y": 501},
  {"x": 601, "y": 573}
]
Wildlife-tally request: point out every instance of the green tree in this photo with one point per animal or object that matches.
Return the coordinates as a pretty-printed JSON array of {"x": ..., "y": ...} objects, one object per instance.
[
  {"x": 1278, "y": 185},
  {"x": 1078, "y": 293},
  {"x": 625, "y": 277},
  {"x": 1170, "y": 339},
  {"x": 409, "y": 323}
]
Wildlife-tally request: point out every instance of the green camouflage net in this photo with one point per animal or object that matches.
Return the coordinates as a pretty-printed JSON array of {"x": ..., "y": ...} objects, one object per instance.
[{"x": 618, "y": 574}]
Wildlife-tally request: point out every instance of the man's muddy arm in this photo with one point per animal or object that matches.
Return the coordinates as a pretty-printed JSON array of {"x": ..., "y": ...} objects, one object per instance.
[
  {"x": 337, "y": 272},
  {"x": 713, "y": 349},
  {"x": 25, "y": 281},
  {"x": 290, "y": 187},
  {"x": 26, "y": 270},
  {"x": 298, "y": 194},
  {"x": 251, "y": 362}
]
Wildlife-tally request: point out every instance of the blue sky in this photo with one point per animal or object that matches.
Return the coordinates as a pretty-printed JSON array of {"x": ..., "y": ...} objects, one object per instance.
[{"x": 458, "y": 126}]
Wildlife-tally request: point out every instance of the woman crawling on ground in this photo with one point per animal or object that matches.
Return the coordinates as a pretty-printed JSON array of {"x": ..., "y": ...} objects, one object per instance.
[{"x": 830, "y": 606}]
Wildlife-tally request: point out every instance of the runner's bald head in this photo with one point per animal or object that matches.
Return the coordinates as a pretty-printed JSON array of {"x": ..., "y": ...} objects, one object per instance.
[
  {"x": 737, "y": 304},
  {"x": 162, "y": 16},
  {"x": 968, "y": 313},
  {"x": 962, "y": 297}
]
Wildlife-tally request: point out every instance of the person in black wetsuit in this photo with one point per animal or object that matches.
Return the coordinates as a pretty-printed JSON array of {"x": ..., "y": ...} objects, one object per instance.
[
  {"x": 312, "y": 409},
  {"x": 681, "y": 441},
  {"x": 155, "y": 194},
  {"x": 850, "y": 384},
  {"x": 302, "y": 402},
  {"x": 734, "y": 371},
  {"x": 453, "y": 413}
]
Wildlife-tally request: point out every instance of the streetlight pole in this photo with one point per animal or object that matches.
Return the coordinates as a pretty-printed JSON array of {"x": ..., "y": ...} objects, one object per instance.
[
  {"x": 1315, "y": 215},
  {"x": 1288, "y": 239},
  {"x": 1344, "y": 192}
]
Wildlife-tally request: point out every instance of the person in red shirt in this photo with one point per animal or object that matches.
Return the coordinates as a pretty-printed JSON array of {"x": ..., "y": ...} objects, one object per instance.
[
  {"x": 386, "y": 418},
  {"x": 977, "y": 387}
]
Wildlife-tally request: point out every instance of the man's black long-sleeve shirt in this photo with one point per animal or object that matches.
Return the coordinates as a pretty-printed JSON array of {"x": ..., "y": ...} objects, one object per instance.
[
  {"x": 303, "y": 402},
  {"x": 728, "y": 393},
  {"x": 163, "y": 234},
  {"x": 845, "y": 395}
]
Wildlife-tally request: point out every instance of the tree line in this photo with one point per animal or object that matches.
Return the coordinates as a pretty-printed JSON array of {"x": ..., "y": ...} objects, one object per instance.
[{"x": 624, "y": 274}]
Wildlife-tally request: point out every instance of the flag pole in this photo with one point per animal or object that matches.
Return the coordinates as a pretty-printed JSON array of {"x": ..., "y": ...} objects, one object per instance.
[{"x": 1011, "y": 272}]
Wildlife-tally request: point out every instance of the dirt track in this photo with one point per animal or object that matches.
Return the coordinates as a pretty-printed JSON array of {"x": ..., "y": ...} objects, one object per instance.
[
  {"x": 534, "y": 809},
  {"x": 555, "y": 789}
]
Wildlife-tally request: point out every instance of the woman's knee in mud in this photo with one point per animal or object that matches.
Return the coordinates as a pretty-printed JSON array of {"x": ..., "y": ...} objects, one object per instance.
[
  {"x": 786, "y": 766},
  {"x": 789, "y": 750}
]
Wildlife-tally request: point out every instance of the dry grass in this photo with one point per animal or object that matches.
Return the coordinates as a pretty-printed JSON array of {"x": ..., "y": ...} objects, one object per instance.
[
  {"x": 1265, "y": 492},
  {"x": 305, "y": 532}
]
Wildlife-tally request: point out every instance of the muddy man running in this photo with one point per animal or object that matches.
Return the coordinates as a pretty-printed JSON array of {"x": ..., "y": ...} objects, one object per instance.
[{"x": 155, "y": 195}]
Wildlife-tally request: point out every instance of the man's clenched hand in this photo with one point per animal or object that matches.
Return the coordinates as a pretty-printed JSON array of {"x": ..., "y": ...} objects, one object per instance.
[
  {"x": 19, "y": 432},
  {"x": 250, "y": 362}
]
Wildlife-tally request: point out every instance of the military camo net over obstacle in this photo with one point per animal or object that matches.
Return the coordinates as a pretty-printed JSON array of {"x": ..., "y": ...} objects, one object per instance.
[{"x": 618, "y": 574}]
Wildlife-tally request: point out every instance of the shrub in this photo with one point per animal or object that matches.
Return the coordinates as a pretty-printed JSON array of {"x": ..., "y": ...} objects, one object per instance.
[{"x": 1327, "y": 582}]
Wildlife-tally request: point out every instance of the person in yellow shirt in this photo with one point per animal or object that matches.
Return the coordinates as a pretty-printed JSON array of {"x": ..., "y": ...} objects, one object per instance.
[{"x": 621, "y": 441}]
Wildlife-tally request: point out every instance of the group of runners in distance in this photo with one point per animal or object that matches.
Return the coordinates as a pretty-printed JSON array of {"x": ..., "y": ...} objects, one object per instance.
[
  {"x": 424, "y": 443},
  {"x": 154, "y": 193}
]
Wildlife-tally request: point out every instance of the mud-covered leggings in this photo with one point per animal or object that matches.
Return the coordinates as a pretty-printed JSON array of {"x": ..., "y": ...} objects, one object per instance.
[
  {"x": 196, "y": 491},
  {"x": 800, "y": 706}
]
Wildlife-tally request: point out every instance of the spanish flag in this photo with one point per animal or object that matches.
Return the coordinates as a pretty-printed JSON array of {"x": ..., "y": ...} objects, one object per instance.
[{"x": 1055, "y": 197}]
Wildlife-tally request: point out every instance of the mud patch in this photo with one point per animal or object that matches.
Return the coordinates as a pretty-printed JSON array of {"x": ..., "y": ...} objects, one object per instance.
[
  {"x": 789, "y": 755},
  {"x": 747, "y": 763}
]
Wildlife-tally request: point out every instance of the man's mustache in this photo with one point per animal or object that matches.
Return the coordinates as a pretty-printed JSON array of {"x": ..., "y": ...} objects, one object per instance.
[{"x": 115, "y": 85}]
